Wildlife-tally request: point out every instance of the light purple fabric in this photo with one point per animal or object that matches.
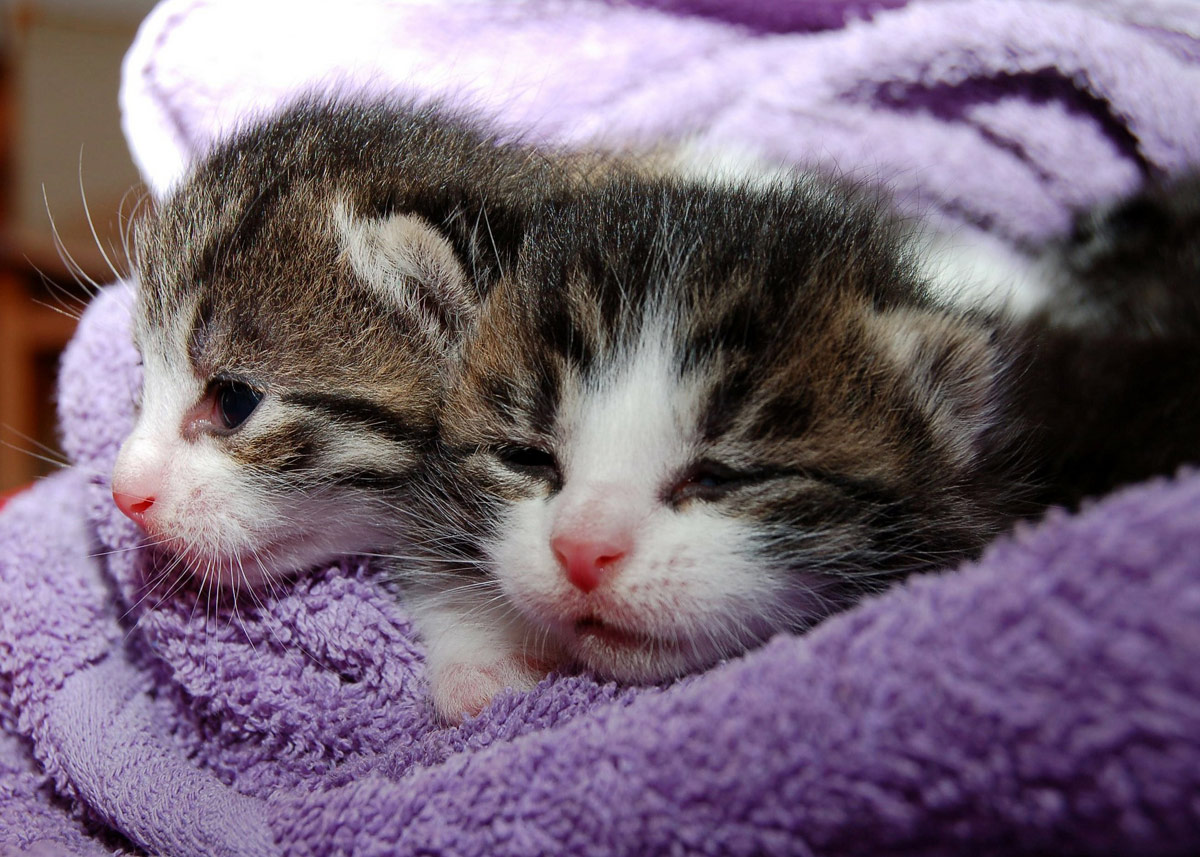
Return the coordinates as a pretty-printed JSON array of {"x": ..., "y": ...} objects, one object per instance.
[
  {"x": 1003, "y": 114},
  {"x": 780, "y": 16},
  {"x": 1044, "y": 700}
]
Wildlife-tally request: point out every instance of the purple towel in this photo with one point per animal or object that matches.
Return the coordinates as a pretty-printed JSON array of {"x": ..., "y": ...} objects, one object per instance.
[{"x": 1044, "y": 700}]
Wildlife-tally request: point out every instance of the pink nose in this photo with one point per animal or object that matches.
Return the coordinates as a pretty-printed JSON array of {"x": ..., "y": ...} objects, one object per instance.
[
  {"x": 587, "y": 561},
  {"x": 135, "y": 508}
]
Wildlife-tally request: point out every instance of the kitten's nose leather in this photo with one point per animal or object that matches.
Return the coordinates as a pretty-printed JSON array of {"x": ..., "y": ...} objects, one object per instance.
[
  {"x": 587, "y": 561},
  {"x": 133, "y": 507}
]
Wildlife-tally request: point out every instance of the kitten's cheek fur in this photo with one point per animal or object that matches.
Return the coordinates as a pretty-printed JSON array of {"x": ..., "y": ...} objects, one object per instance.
[{"x": 229, "y": 531}]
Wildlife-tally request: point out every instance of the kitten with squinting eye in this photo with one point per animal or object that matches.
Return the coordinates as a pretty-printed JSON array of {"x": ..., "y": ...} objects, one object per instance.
[
  {"x": 299, "y": 294},
  {"x": 690, "y": 417}
]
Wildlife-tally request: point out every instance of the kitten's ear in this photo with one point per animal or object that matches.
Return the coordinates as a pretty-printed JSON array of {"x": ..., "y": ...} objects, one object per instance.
[
  {"x": 410, "y": 264},
  {"x": 952, "y": 366}
]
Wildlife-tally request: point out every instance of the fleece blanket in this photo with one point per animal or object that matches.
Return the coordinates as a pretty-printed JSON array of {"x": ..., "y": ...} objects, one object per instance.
[{"x": 1043, "y": 700}]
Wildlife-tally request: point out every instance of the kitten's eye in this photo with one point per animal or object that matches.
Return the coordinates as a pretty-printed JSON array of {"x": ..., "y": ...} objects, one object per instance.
[
  {"x": 235, "y": 401},
  {"x": 708, "y": 480},
  {"x": 531, "y": 461}
]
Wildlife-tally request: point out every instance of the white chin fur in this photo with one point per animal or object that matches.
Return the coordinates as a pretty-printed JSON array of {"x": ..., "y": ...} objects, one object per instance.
[{"x": 256, "y": 567}]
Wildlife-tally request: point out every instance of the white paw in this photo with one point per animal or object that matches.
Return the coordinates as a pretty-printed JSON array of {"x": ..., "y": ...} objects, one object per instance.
[{"x": 465, "y": 689}]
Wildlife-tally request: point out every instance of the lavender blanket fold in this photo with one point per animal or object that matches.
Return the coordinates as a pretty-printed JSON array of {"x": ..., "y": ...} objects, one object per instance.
[{"x": 1045, "y": 699}]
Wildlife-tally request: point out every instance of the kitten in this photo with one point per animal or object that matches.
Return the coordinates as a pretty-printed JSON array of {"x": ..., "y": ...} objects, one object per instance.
[
  {"x": 690, "y": 417},
  {"x": 299, "y": 295}
]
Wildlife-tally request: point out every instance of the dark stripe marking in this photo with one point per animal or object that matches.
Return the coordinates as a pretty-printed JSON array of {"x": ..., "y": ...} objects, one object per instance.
[{"x": 354, "y": 409}]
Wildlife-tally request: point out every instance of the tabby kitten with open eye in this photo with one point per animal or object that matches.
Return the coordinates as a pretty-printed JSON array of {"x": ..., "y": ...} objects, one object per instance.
[
  {"x": 691, "y": 417},
  {"x": 299, "y": 294}
]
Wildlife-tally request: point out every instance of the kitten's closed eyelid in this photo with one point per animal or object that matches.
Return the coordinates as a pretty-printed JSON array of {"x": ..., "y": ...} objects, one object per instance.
[
  {"x": 530, "y": 461},
  {"x": 712, "y": 480}
]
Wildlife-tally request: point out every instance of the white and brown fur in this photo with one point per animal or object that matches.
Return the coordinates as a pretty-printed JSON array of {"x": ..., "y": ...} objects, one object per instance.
[{"x": 691, "y": 417}]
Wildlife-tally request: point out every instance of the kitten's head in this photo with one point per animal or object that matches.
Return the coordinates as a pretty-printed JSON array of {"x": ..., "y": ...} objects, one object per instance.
[
  {"x": 691, "y": 418},
  {"x": 299, "y": 297}
]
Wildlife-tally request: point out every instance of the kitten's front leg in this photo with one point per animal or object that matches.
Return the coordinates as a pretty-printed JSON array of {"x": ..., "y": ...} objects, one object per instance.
[{"x": 477, "y": 646}]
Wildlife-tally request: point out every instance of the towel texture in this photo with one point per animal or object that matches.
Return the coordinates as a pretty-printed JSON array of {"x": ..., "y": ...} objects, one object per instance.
[{"x": 1042, "y": 700}]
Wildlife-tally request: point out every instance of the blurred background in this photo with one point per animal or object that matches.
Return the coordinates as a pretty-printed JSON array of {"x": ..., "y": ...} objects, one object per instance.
[{"x": 60, "y": 65}]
